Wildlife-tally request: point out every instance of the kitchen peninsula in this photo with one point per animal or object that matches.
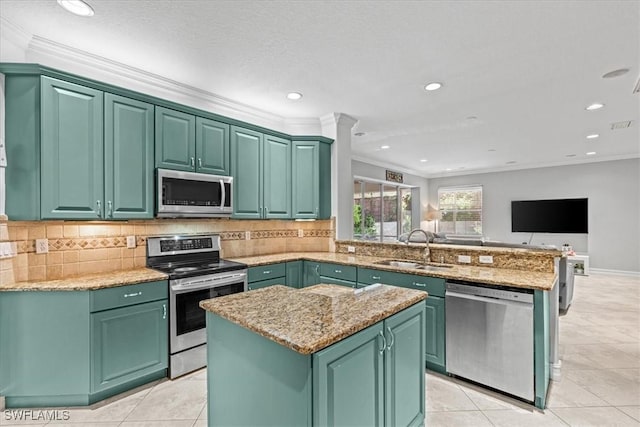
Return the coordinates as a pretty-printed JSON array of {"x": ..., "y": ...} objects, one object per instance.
[{"x": 321, "y": 355}]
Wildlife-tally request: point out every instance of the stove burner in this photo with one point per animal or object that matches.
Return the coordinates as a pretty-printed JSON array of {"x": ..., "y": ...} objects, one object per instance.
[{"x": 184, "y": 269}]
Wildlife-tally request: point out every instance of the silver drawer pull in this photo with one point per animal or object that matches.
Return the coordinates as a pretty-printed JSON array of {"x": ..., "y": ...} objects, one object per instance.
[
  {"x": 266, "y": 272},
  {"x": 164, "y": 311},
  {"x": 422, "y": 285},
  {"x": 375, "y": 277},
  {"x": 135, "y": 294},
  {"x": 338, "y": 271}
]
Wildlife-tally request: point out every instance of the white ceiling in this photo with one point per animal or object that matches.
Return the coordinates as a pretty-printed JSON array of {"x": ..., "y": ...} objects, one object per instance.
[{"x": 525, "y": 69}]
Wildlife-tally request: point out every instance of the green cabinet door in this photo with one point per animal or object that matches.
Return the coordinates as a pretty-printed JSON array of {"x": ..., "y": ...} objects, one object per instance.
[
  {"x": 175, "y": 140},
  {"x": 212, "y": 147},
  {"x": 246, "y": 169},
  {"x": 348, "y": 381},
  {"x": 435, "y": 335},
  {"x": 311, "y": 274},
  {"x": 127, "y": 343},
  {"x": 295, "y": 274},
  {"x": 404, "y": 368},
  {"x": 128, "y": 148},
  {"x": 276, "y": 178},
  {"x": 72, "y": 151},
  {"x": 305, "y": 179}
]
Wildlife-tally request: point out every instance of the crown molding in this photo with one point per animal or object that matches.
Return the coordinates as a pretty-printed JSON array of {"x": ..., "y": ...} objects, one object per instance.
[{"x": 388, "y": 166}]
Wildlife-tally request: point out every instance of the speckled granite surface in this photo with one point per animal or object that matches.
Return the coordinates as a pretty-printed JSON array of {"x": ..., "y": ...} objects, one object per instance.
[
  {"x": 310, "y": 319},
  {"x": 490, "y": 275},
  {"x": 89, "y": 282}
]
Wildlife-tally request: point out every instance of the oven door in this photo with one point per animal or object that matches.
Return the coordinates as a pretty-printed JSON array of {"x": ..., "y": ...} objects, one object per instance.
[
  {"x": 187, "y": 324},
  {"x": 188, "y": 194}
]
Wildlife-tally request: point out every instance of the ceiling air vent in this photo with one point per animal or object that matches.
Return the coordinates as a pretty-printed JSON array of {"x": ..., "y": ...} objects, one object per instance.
[
  {"x": 637, "y": 88},
  {"x": 621, "y": 125}
]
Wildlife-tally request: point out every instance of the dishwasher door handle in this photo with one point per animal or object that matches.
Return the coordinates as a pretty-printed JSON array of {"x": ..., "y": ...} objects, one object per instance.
[{"x": 488, "y": 300}]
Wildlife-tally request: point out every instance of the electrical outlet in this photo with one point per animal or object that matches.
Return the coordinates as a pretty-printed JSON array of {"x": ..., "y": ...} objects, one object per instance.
[
  {"x": 131, "y": 242},
  {"x": 6, "y": 250},
  {"x": 300, "y": 232},
  {"x": 247, "y": 235},
  {"x": 351, "y": 249},
  {"x": 42, "y": 246},
  {"x": 485, "y": 259},
  {"x": 464, "y": 259}
]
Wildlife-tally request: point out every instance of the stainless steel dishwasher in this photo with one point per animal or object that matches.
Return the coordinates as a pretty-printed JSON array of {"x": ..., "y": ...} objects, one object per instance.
[{"x": 489, "y": 333}]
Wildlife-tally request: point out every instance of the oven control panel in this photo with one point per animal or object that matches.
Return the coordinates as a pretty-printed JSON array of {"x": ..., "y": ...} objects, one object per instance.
[
  {"x": 185, "y": 245},
  {"x": 174, "y": 245}
]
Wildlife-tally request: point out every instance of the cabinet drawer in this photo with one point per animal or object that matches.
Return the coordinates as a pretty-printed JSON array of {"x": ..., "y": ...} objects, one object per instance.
[
  {"x": 434, "y": 286},
  {"x": 368, "y": 276},
  {"x": 264, "y": 283},
  {"x": 334, "y": 281},
  {"x": 264, "y": 272},
  {"x": 123, "y": 296},
  {"x": 344, "y": 272}
]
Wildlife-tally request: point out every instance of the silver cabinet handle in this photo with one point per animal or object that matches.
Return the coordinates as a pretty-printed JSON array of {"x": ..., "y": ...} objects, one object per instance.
[
  {"x": 109, "y": 209},
  {"x": 318, "y": 269},
  {"x": 384, "y": 343},
  {"x": 199, "y": 162},
  {"x": 164, "y": 311},
  {"x": 316, "y": 211},
  {"x": 338, "y": 271},
  {"x": 193, "y": 162},
  {"x": 266, "y": 272},
  {"x": 393, "y": 338},
  {"x": 422, "y": 285},
  {"x": 375, "y": 277},
  {"x": 99, "y": 204},
  {"x": 135, "y": 294}
]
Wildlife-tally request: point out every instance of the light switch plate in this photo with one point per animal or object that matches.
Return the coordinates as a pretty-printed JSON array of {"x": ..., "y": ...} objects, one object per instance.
[
  {"x": 485, "y": 259},
  {"x": 131, "y": 242},
  {"x": 247, "y": 235},
  {"x": 42, "y": 246},
  {"x": 464, "y": 259},
  {"x": 351, "y": 249},
  {"x": 300, "y": 232}
]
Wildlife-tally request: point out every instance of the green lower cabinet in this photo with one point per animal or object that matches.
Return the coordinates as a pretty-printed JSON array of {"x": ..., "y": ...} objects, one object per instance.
[
  {"x": 128, "y": 343},
  {"x": 56, "y": 352},
  {"x": 295, "y": 274},
  {"x": 311, "y": 273},
  {"x": 264, "y": 283},
  {"x": 372, "y": 378},
  {"x": 436, "y": 334}
]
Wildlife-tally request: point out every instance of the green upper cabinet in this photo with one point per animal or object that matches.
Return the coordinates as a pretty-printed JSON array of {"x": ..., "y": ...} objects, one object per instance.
[
  {"x": 306, "y": 179},
  {"x": 175, "y": 140},
  {"x": 128, "y": 148},
  {"x": 212, "y": 147},
  {"x": 72, "y": 151},
  {"x": 261, "y": 169},
  {"x": 189, "y": 143},
  {"x": 311, "y": 190}
]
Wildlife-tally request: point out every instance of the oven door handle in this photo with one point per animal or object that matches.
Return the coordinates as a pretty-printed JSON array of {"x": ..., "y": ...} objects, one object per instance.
[{"x": 215, "y": 282}]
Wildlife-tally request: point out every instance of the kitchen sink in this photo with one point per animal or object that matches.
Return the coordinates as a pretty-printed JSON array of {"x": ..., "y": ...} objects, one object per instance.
[{"x": 413, "y": 264}]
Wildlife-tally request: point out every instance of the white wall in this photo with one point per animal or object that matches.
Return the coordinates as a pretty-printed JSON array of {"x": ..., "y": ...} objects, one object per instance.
[{"x": 613, "y": 189}]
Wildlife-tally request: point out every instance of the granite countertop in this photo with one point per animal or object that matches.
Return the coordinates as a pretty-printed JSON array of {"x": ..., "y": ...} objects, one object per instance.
[
  {"x": 89, "y": 282},
  {"x": 310, "y": 319},
  {"x": 490, "y": 275}
]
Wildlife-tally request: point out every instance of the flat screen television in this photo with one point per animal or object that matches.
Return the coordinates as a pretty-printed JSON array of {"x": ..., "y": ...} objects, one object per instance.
[{"x": 550, "y": 216}]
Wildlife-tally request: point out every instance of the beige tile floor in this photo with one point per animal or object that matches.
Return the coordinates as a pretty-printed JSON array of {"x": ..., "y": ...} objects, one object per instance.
[{"x": 600, "y": 385}]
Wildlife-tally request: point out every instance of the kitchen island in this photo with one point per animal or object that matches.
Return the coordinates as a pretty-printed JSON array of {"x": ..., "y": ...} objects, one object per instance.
[{"x": 322, "y": 355}]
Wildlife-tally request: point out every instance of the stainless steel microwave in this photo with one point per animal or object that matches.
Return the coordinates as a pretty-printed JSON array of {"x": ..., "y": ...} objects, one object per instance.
[{"x": 189, "y": 194}]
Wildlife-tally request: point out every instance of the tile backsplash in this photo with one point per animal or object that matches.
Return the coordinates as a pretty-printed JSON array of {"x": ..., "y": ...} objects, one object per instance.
[{"x": 77, "y": 247}]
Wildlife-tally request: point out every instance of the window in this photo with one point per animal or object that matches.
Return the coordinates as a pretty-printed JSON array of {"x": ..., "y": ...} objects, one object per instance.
[
  {"x": 381, "y": 211},
  {"x": 460, "y": 210}
]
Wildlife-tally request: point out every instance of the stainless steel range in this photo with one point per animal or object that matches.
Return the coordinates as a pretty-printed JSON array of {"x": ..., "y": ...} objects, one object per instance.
[{"x": 196, "y": 273}]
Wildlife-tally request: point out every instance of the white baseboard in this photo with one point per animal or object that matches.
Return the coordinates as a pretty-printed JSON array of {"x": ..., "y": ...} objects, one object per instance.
[
  {"x": 615, "y": 272},
  {"x": 555, "y": 368}
]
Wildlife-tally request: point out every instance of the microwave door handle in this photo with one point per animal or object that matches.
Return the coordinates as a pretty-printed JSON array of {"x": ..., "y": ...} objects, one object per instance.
[{"x": 224, "y": 194}]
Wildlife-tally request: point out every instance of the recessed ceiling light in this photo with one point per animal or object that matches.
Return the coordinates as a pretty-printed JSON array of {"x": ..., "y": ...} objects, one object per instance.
[
  {"x": 615, "y": 73},
  {"x": 294, "y": 96},
  {"x": 591, "y": 153},
  {"x": 448, "y": 169},
  {"x": 492, "y": 149},
  {"x": 594, "y": 106},
  {"x": 511, "y": 162},
  {"x": 593, "y": 136},
  {"x": 359, "y": 134},
  {"x": 570, "y": 155},
  {"x": 432, "y": 86},
  {"x": 423, "y": 160},
  {"x": 384, "y": 147},
  {"x": 77, "y": 7},
  {"x": 472, "y": 118}
]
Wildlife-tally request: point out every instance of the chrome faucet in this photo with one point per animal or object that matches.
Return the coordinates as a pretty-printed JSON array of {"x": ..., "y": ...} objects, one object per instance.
[{"x": 426, "y": 242}]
